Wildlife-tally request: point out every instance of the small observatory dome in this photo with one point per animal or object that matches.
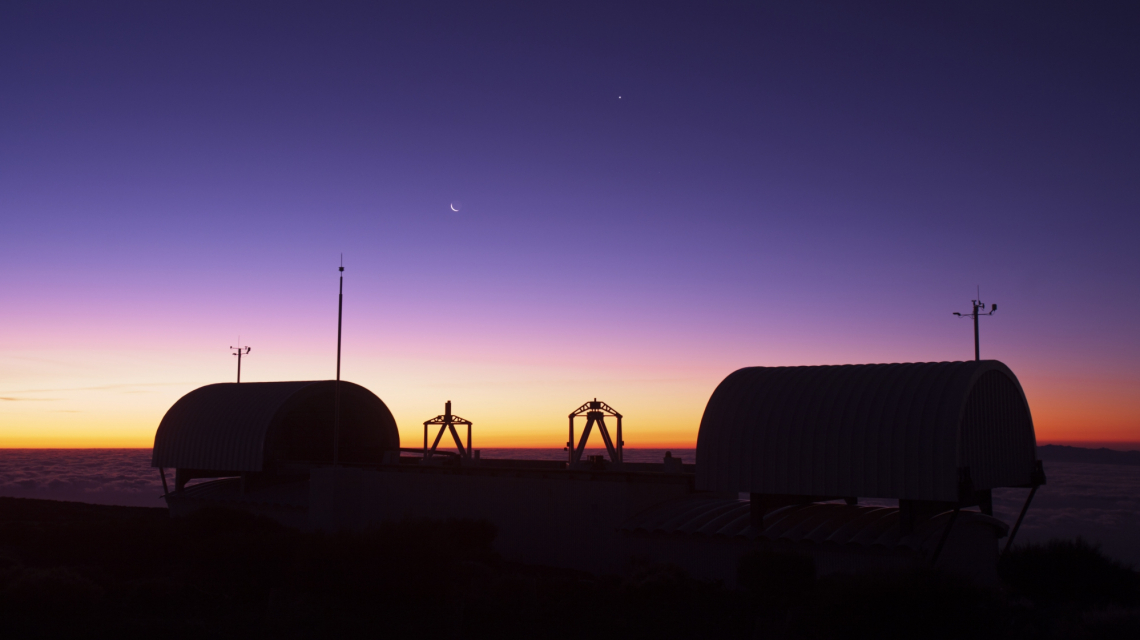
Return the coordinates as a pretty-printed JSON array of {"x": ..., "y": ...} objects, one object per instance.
[{"x": 230, "y": 428}]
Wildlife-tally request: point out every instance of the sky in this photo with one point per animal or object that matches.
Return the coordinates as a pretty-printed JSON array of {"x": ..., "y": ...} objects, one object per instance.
[{"x": 650, "y": 196}]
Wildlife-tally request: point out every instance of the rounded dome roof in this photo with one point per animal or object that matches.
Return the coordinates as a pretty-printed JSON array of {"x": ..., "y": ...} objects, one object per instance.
[
  {"x": 253, "y": 425},
  {"x": 875, "y": 430}
]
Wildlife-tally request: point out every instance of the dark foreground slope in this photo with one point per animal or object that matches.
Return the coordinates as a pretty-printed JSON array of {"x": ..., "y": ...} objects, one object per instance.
[{"x": 70, "y": 569}]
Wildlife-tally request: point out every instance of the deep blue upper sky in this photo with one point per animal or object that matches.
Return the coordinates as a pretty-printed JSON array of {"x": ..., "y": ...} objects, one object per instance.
[{"x": 998, "y": 127}]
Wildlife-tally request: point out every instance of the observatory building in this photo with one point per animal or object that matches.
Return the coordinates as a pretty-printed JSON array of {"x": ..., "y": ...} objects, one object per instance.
[{"x": 861, "y": 467}]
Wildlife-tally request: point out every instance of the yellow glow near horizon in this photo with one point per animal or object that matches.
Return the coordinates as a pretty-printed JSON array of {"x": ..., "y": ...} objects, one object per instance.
[
  {"x": 97, "y": 399},
  {"x": 512, "y": 406}
]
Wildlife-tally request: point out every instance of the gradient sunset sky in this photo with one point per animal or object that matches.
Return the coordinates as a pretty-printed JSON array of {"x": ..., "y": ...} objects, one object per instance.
[{"x": 651, "y": 195}]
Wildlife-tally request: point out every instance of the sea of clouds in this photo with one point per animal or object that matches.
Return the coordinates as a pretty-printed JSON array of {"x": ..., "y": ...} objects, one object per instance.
[
  {"x": 124, "y": 476},
  {"x": 98, "y": 476},
  {"x": 1097, "y": 501}
]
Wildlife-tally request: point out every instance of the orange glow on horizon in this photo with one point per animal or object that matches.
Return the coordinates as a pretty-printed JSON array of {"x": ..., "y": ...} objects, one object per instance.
[{"x": 86, "y": 404}]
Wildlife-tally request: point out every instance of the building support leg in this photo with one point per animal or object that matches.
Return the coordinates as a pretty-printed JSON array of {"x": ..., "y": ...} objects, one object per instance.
[
  {"x": 581, "y": 448},
  {"x": 620, "y": 443},
  {"x": 945, "y": 535},
  {"x": 606, "y": 439},
  {"x": 458, "y": 443},
  {"x": 438, "y": 437},
  {"x": 1020, "y": 517},
  {"x": 570, "y": 442}
]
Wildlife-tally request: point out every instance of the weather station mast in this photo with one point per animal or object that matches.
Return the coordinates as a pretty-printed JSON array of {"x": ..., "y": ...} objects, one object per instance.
[
  {"x": 336, "y": 409},
  {"x": 979, "y": 310},
  {"x": 239, "y": 352}
]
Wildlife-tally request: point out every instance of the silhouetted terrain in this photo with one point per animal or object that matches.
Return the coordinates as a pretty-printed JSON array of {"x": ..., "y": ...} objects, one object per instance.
[
  {"x": 1064, "y": 453},
  {"x": 72, "y": 569}
]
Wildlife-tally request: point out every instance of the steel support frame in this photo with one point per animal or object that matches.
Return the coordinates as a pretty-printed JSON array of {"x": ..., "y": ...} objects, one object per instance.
[
  {"x": 595, "y": 412},
  {"x": 447, "y": 423}
]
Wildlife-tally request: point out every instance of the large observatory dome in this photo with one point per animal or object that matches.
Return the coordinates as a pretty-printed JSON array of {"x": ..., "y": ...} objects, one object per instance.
[{"x": 915, "y": 431}]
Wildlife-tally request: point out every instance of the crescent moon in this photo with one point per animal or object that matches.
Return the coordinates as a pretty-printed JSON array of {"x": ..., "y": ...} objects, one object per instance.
[{"x": 453, "y": 208}]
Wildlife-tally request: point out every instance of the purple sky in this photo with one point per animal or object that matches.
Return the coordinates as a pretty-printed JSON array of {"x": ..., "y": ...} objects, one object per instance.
[{"x": 652, "y": 195}]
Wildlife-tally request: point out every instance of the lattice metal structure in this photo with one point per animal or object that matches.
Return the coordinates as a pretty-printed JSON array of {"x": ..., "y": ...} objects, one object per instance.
[
  {"x": 447, "y": 422},
  {"x": 595, "y": 412}
]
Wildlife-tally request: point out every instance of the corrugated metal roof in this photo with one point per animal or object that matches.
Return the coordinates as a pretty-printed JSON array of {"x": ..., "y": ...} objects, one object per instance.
[
  {"x": 876, "y": 430},
  {"x": 835, "y": 524},
  {"x": 243, "y": 427}
]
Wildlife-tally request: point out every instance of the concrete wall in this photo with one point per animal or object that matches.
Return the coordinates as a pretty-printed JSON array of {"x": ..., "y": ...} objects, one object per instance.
[
  {"x": 970, "y": 551},
  {"x": 563, "y": 519},
  {"x": 570, "y": 519},
  {"x": 290, "y": 515}
]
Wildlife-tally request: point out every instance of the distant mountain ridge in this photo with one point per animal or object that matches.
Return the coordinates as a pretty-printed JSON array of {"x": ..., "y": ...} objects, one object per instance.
[{"x": 1064, "y": 453}]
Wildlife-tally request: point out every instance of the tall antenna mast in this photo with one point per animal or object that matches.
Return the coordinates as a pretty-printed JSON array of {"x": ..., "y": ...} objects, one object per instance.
[
  {"x": 239, "y": 351},
  {"x": 339, "y": 319},
  {"x": 978, "y": 304}
]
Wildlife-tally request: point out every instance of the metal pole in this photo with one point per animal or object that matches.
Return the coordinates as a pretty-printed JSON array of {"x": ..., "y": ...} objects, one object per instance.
[
  {"x": 239, "y": 365},
  {"x": 620, "y": 456},
  {"x": 977, "y": 346},
  {"x": 570, "y": 443},
  {"x": 336, "y": 417}
]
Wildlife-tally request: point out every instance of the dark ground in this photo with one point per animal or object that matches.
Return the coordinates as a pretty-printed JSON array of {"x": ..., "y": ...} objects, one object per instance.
[{"x": 73, "y": 569}]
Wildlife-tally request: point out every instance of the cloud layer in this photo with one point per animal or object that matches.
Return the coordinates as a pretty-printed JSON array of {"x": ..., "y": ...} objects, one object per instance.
[
  {"x": 1099, "y": 502},
  {"x": 97, "y": 476}
]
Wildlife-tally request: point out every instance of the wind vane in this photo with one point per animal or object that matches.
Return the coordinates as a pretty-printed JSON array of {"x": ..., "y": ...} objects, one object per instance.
[{"x": 239, "y": 351}]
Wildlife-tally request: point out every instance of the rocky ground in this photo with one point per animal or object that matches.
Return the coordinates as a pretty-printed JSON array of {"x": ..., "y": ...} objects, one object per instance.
[{"x": 82, "y": 570}]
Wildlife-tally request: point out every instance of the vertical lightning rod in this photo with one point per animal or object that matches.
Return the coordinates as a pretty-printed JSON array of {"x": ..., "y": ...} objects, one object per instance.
[{"x": 339, "y": 320}]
